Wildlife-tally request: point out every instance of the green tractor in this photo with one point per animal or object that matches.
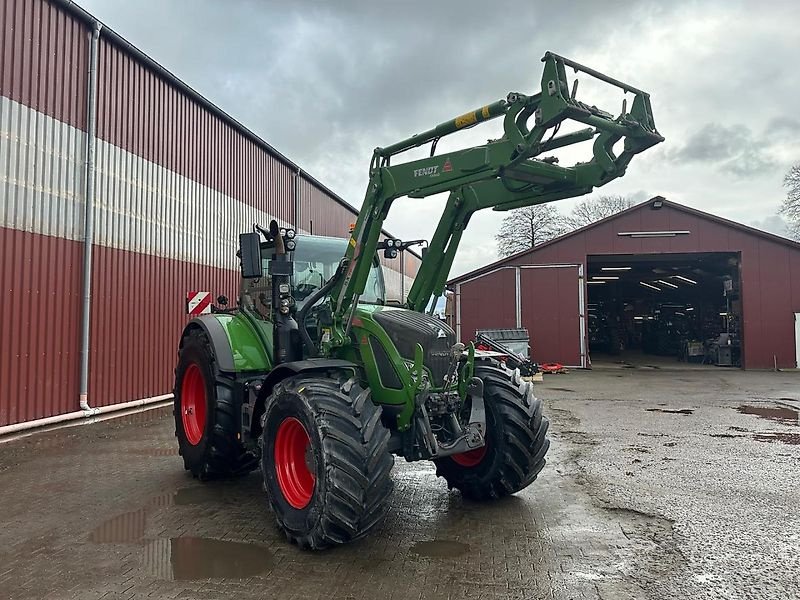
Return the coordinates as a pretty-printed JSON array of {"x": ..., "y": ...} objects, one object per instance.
[{"x": 315, "y": 379}]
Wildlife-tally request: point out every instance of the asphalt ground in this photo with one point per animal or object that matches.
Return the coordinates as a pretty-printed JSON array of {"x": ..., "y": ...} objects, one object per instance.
[{"x": 661, "y": 483}]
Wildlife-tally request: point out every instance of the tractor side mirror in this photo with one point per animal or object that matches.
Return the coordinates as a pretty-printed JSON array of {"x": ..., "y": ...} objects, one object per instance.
[{"x": 250, "y": 255}]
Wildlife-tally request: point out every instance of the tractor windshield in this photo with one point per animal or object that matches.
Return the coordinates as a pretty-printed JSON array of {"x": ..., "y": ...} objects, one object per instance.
[{"x": 316, "y": 260}]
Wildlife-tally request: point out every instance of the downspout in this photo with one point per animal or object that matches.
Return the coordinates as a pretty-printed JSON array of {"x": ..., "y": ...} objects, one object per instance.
[
  {"x": 297, "y": 221},
  {"x": 402, "y": 279},
  {"x": 458, "y": 312},
  {"x": 91, "y": 125},
  {"x": 518, "y": 297}
]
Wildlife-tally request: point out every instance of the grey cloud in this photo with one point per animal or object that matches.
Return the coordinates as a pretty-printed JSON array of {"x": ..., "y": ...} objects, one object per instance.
[
  {"x": 784, "y": 127},
  {"x": 733, "y": 149},
  {"x": 750, "y": 161},
  {"x": 773, "y": 224},
  {"x": 713, "y": 143}
]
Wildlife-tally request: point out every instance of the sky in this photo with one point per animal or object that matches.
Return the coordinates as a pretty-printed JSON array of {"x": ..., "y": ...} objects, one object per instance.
[{"x": 327, "y": 82}]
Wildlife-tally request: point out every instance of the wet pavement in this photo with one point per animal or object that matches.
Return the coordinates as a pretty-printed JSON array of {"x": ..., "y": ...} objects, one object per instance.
[{"x": 661, "y": 483}]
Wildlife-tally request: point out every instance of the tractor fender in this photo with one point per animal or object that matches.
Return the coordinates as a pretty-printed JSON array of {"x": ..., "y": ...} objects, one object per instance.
[
  {"x": 288, "y": 369},
  {"x": 217, "y": 337}
]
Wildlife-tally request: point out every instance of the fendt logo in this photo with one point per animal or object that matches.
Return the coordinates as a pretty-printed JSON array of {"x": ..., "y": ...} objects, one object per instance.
[{"x": 431, "y": 171}]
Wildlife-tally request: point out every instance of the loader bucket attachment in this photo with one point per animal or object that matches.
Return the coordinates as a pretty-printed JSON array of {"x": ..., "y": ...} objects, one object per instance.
[{"x": 559, "y": 102}]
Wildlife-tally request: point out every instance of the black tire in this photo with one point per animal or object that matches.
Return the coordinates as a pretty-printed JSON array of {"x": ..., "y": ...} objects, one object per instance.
[
  {"x": 516, "y": 439},
  {"x": 347, "y": 453},
  {"x": 213, "y": 450}
]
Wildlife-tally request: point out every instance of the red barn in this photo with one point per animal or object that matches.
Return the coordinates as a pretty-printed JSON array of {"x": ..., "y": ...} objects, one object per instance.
[{"x": 657, "y": 279}]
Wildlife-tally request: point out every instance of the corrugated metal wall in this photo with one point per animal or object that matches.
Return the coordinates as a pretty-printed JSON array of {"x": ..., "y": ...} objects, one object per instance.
[
  {"x": 43, "y": 78},
  {"x": 319, "y": 217},
  {"x": 549, "y": 308},
  {"x": 45, "y": 57},
  {"x": 487, "y": 302},
  {"x": 141, "y": 113},
  {"x": 176, "y": 181}
]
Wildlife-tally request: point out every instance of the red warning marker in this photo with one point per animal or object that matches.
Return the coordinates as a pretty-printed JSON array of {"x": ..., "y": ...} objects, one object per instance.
[{"x": 198, "y": 303}]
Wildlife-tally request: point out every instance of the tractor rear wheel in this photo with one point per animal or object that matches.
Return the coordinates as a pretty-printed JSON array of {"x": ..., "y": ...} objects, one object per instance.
[
  {"x": 325, "y": 460},
  {"x": 206, "y": 422},
  {"x": 516, "y": 439}
]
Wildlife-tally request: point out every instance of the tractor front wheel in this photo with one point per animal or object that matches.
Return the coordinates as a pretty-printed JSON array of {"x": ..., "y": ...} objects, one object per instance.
[
  {"x": 516, "y": 439},
  {"x": 325, "y": 460},
  {"x": 206, "y": 422}
]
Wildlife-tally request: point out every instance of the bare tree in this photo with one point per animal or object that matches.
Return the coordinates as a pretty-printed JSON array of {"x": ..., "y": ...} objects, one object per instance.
[
  {"x": 790, "y": 208},
  {"x": 527, "y": 227},
  {"x": 589, "y": 210}
]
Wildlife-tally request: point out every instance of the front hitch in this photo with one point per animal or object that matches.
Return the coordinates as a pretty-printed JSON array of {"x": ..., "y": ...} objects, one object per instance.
[{"x": 470, "y": 439}]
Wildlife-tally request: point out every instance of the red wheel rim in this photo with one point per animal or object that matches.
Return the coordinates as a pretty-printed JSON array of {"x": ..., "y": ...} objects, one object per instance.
[
  {"x": 193, "y": 404},
  {"x": 292, "y": 455},
  {"x": 471, "y": 458}
]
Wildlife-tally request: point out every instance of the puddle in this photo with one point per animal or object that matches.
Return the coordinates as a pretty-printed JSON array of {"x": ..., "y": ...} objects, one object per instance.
[
  {"x": 673, "y": 411},
  {"x": 773, "y": 413},
  {"x": 125, "y": 528},
  {"x": 792, "y": 439},
  {"x": 192, "y": 558},
  {"x": 129, "y": 527},
  {"x": 559, "y": 389},
  {"x": 440, "y": 548}
]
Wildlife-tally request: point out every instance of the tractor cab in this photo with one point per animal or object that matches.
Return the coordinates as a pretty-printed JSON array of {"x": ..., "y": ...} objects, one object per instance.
[{"x": 315, "y": 260}]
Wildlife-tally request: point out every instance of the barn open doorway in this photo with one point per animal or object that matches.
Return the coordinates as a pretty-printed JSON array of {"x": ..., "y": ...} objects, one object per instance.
[{"x": 663, "y": 308}]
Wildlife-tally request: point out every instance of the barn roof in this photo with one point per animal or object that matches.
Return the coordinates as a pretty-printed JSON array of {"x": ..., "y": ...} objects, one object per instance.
[{"x": 637, "y": 207}]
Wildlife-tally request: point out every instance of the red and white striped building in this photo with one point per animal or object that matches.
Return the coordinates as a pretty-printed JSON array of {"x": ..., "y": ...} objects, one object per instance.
[{"x": 175, "y": 181}]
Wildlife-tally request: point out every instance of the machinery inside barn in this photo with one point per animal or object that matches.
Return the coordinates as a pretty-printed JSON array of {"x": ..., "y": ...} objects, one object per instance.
[{"x": 684, "y": 306}]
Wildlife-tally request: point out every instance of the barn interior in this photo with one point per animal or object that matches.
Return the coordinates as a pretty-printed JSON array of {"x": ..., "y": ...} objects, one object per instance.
[{"x": 682, "y": 307}]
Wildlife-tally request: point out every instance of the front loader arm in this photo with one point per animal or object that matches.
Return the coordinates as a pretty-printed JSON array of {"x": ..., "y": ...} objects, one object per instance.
[{"x": 503, "y": 174}]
